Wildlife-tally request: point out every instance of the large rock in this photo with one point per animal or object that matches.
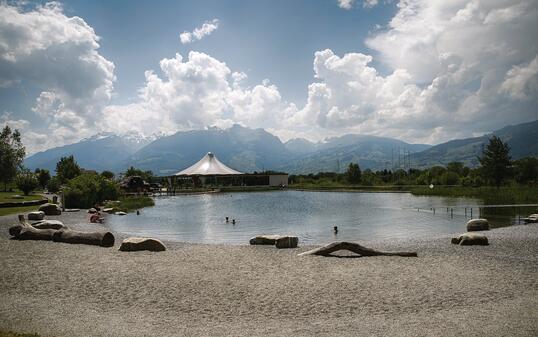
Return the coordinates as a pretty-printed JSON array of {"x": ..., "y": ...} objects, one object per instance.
[
  {"x": 49, "y": 224},
  {"x": 136, "y": 244},
  {"x": 50, "y": 209},
  {"x": 470, "y": 239},
  {"x": 264, "y": 239},
  {"x": 477, "y": 225},
  {"x": 533, "y": 218},
  {"x": 39, "y": 215},
  {"x": 287, "y": 242}
]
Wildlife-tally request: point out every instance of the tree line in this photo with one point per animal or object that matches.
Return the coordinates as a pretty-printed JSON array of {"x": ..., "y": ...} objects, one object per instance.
[{"x": 496, "y": 169}]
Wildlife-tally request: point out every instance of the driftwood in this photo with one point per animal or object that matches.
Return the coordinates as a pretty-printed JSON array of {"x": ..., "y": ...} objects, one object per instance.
[
  {"x": 103, "y": 239},
  {"x": 25, "y": 231},
  {"x": 355, "y": 248}
]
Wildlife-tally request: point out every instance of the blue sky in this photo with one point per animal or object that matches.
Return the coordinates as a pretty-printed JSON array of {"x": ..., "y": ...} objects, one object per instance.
[
  {"x": 270, "y": 39},
  {"x": 419, "y": 70}
]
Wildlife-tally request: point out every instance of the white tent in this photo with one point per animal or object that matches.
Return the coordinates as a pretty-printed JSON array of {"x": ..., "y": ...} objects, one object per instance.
[{"x": 209, "y": 165}]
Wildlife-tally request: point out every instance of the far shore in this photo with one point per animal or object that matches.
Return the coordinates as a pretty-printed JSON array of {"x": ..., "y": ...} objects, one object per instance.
[{"x": 64, "y": 290}]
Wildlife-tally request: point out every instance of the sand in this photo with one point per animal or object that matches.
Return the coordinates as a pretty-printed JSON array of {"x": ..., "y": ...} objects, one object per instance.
[{"x": 58, "y": 289}]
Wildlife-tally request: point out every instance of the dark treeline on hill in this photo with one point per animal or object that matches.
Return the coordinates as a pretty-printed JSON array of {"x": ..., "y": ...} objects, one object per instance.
[
  {"x": 496, "y": 169},
  {"x": 249, "y": 150}
]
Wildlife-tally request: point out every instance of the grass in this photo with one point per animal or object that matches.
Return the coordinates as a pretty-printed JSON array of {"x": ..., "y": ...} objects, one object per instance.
[
  {"x": 129, "y": 204},
  {"x": 17, "y": 210},
  {"x": 8, "y": 197},
  {"x": 490, "y": 195}
]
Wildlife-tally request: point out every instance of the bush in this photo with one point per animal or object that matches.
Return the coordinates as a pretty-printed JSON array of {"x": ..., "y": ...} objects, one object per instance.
[
  {"x": 26, "y": 181},
  {"x": 88, "y": 189}
]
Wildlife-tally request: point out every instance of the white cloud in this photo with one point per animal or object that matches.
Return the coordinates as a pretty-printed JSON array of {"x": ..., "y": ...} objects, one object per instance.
[
  {"x": 370, "y": 3},
  {"x": 345, "y": 4},
  {"x": 348, "y": 4},
  {"x": 521, "y": 82},
  {"x": 200, "y": 32},
  {"x": 457, "y": 67},
  {"x": 195, "y": 93},
  {"x": 59, "y": 55}
]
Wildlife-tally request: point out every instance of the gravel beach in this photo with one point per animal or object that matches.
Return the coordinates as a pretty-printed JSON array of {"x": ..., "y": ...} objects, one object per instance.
[{"x": 58, "y": 289}]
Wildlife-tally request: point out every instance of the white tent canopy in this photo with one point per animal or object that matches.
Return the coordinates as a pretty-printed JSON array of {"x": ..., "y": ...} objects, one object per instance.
[{"x": 209, "y": 165}]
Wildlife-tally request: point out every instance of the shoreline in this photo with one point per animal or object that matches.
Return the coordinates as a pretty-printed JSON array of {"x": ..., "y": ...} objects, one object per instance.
[{"x": 195, "y": 289}]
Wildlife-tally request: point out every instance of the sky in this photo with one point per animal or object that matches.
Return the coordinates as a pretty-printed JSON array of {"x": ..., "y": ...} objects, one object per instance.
[{"x": 424, "y": 71}]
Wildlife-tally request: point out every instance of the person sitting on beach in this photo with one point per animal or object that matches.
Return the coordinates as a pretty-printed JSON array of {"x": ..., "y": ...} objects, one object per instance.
[{"x": 96, "y": 218}]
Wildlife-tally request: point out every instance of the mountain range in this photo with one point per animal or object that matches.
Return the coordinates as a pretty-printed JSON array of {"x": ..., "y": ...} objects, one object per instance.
[{"x": 250, "y": 150}]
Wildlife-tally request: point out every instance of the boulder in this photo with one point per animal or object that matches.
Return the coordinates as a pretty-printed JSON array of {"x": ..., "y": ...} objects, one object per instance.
[
  {"x": 470, "y": 239},
  {"x": 108, "y": 210},
  {"x": 477, "y": 225},
  {"x": 50, "y": 209},
  {"x": 264, "y": 239},
  {"x": 134, "y": 244},
  {"x": 533, "y": 218},
  {"x": 49, "y": 224},
  {"x": 287, "y": 242},
  {"x": 71, "y": 210},
  {"x": 92, "y": 210},
  {"x": 39, "y": 215},
  {"x": 120, "y": 213}
]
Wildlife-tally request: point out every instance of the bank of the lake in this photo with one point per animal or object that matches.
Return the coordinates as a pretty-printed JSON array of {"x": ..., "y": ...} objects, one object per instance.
[{"x": 57, "y": 289}]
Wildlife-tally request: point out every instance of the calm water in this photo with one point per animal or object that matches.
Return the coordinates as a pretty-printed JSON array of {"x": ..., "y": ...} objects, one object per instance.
[{"x": 309, "y": 215}]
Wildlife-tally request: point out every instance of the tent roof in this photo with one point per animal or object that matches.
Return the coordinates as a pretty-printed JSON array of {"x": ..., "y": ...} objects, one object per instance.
[{"x": 209, "y": 165}]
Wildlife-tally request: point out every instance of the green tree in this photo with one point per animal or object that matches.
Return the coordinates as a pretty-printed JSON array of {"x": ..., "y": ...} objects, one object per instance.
[
  {"x": 526, "y": 170},
  {"x": 353, "y": 173},
  {"x": 146, "y": 175},
  {"x": 496, "y": 161},
  {"x": 107, "y": 175},
  {"x": 26, "y": 181},
  {"x": 456, "y": 167},
  {"x": 12, "y": 154},
  {"x": 54, "y": 185},
  {"x": 87, "y": 189},
  {"x": 43, "y": 176},
  {"x": 67, "y": 169}
]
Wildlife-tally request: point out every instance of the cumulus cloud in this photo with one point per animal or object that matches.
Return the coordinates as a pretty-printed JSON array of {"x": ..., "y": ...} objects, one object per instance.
[
  {"x": 59, "y": 55},
  {"x": 200, "y": 32},
  {"x": 457, "y": 67},
  {"x": 194, "y": 93}
]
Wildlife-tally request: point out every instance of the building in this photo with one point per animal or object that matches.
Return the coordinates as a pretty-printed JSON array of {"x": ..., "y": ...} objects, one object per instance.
[{"x": 211, "y": 171}]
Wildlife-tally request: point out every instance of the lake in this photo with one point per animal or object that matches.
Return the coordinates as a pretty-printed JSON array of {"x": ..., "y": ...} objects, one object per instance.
[{"x": 308, "y": 215}]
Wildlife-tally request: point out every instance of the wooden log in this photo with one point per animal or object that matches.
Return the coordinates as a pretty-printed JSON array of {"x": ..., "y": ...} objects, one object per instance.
[
  {"x": 355, "y": 248},
  {"x": 103, "y": 239},
  {"x": 25, "y": 231}
]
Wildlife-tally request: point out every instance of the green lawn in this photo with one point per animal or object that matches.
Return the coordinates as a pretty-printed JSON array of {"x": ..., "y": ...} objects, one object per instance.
[
  {"x": 17, "y": 210},
  {"x": 9, "y": 196}
]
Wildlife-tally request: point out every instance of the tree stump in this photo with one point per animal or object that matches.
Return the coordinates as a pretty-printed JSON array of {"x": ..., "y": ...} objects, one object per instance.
[{"x": 355, "y": 248}]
